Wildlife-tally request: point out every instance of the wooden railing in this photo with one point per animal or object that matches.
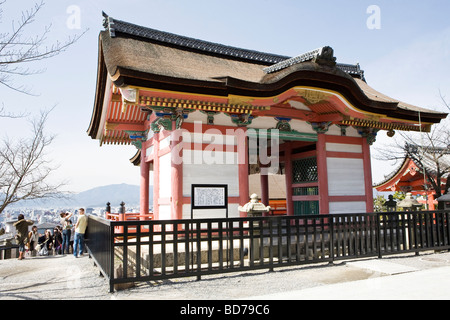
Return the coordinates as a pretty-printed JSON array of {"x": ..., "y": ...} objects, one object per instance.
[
  {"x": 126, "y": 216},
  {"x": 153, "y": 250}
]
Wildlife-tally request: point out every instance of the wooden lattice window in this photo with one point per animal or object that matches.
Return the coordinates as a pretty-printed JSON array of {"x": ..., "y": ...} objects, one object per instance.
[
  {"x": 304, "y": 170},
  {"x": 306, "y": 208},
  {"x": 305, "y": 191}
]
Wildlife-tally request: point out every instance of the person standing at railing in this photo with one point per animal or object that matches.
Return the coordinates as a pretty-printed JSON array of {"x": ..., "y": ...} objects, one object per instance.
[{"x": 80, "y": 229}]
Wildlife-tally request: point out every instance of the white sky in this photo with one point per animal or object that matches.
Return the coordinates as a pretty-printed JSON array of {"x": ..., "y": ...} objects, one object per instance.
[{"x": 408, "y": 58}]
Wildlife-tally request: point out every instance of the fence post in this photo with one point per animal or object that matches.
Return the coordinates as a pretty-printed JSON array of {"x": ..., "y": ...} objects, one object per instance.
[
  {"x": 379, "y": 234},
  {"x": 111, "y": 258},
  {"x": 121, "y": 216},
  {"x": 331, "y": 239}
]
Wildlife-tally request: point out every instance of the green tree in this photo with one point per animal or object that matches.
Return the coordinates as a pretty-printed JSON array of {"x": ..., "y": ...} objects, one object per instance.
[{"x": 378, "y": 204}]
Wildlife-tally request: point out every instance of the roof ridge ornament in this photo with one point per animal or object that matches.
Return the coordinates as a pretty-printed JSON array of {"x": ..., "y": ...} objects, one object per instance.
[
  {"x": 108, "y": 24},
  {"x": 323, "y": 55}
]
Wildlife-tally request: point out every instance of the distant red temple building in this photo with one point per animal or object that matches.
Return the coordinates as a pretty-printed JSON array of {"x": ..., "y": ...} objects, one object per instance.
[
  {"x": 296, "y": 130},
  {"x": 410, "y": 177}
]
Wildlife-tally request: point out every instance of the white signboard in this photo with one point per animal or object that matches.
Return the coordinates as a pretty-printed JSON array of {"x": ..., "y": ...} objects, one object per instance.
[{"x": 209, "y": 196}]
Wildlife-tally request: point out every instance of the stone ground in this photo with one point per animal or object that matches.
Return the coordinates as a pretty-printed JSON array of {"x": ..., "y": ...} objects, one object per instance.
[{"x": 67, "y": 277}]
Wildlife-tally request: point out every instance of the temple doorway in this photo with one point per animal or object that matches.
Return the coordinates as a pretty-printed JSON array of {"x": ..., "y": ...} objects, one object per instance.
[{"x": 292, "y": 189}]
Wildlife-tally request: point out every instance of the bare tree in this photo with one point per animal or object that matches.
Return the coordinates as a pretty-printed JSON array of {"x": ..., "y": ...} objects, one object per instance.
[
  {"x": 18, "y": 49},
  {"x": 24, "y": 168},
  {"x": 444, "y": 101},
  {"x": 430, "y": 151}
]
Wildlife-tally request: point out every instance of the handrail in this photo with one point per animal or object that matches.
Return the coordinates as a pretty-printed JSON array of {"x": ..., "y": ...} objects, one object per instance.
[{"x": 162, "y": 249}]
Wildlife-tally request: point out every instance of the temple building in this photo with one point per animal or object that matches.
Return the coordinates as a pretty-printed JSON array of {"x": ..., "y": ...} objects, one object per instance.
[
  {"x": 296, "y": 130},
  {"x": 422, "y": 171}
]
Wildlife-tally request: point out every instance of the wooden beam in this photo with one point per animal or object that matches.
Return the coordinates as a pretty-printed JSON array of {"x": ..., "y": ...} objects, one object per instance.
[{"x": 121, "y": 126}]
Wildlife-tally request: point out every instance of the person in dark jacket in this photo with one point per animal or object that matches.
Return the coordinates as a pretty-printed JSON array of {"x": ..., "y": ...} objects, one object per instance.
[
  {"x": 22, "y": 234},
  {"x": 57, "y": 240}
]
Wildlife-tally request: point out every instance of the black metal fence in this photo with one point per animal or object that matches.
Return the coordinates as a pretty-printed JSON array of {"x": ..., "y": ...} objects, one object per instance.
[{"x": 133, "y": 251}]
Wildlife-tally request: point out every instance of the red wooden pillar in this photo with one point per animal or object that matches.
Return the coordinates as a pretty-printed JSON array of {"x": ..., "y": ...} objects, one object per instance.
[
  {"x": 145, "y": 181},
  {"x": 265, "y": 189},
  {"x": 242, "y": 149},
  {"x": 156, "y": 176},
  {"x": 322, "y": 172},
  {"x": 367, "y": 175},
  {"x": 288, "y": 171},
  {"x": 430, "y": 200},
  {"x": 177, "y": 177}
]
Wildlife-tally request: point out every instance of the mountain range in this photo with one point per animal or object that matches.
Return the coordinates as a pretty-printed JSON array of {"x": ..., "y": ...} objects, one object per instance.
[
  {"x": 95, "y": 197},
  {"x": 113, "y": 193}
]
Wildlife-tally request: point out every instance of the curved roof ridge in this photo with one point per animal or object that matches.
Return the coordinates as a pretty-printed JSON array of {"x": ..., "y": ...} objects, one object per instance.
[
  {"x": 273, "y": 61},
  {"x": 116, "y": 27}
]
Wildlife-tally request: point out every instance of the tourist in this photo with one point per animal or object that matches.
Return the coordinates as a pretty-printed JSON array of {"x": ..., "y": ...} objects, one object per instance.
[
  {"x": 46, "y": 243},
  {"x": 22, "y": 234},
  {"x": 80, "y": 229},
  {"x": 57, "y": 240},
  {"x": 66, "y": 230},
  {"x": 34, "y": 239},
  {"x": 72, "y": 235}
]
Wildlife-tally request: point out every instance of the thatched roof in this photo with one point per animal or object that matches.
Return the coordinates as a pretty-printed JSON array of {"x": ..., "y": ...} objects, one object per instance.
[
  {"x": 141, "y": 53},
  {"x": 163, "y": 60},
  {"x": 132, "y": 55}
]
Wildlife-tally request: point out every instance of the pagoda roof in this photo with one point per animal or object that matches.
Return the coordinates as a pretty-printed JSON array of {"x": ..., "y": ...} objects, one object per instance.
[{"x": 135, "y": 56}]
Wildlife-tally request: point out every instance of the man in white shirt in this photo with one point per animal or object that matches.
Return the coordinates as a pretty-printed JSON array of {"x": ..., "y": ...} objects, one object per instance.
[{"x": 80, "y": 229}]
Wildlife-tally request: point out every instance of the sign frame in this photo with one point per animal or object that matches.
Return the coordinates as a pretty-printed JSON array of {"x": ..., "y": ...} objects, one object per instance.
[{"x": 222, "y": 187}]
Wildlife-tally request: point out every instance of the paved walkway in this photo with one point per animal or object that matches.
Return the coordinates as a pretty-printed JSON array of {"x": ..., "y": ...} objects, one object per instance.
[
  {"x": 411, "y": 284},
  {"x": 396, "y": 277},
  {"x": 51, "y": 278}
]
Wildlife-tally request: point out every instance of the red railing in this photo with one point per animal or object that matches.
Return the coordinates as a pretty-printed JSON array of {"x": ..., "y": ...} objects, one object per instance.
[
  {"x": 129, "y": 217},
  {"x": 277, "y": 207}
]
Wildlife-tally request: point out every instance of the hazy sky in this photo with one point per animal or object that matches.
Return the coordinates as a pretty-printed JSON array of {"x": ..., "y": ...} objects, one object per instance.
[{"x": 404, "y": 51}]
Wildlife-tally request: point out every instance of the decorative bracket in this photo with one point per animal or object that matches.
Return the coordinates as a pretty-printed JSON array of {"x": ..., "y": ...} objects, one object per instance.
[
  {"x": 242, "y": 120},
  {"x": 369, "y": 133},
  {"x": 166, "y": 116},
  {"x": 137, "y": 137},
  {"x": 210, "y": 116},
  {"x": 343, "y": 128},
  {"x": 320, "y": 127},
  {"x": 164, "y": 122},
  {"x": 283, "y": 124}
]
